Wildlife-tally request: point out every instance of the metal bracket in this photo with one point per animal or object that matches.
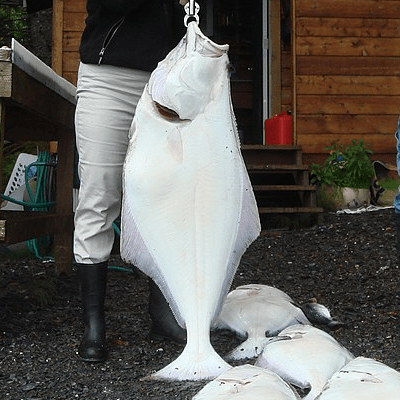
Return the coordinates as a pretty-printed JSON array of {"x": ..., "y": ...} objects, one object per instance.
[{"x": 192, "y": 12}]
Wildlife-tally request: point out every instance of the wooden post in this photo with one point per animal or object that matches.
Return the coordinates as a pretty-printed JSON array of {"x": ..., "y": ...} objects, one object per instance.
[
  {"x": 275, "y": 48},
  {"x": 294, "y": 71},
  {"x": 2, "y": 129},
  {"x": 58, "y": 19}
]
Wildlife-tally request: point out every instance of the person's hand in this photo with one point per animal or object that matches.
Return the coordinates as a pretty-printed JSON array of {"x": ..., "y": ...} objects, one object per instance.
[{"x": 183, "y": 2}]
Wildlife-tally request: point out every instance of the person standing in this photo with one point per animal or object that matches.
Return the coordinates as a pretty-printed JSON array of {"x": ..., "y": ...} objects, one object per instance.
[{"x": 122, "y": 43}]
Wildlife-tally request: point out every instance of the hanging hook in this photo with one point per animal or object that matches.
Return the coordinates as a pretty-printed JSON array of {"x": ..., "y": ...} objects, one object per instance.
[{"x": 192, "y": 12}]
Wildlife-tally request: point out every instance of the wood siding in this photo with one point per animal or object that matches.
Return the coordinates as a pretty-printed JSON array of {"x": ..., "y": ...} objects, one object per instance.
[
  {"x": 68, "y": 24},
  {"x": 346, "y": 74}
]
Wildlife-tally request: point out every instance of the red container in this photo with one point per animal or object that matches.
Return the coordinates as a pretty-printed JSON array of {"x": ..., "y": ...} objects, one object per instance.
[{"x": 278, "y": 129}]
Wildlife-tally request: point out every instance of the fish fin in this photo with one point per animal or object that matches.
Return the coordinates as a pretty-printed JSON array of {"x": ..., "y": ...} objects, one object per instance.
[
  {"x": 134, "y": 251},
  {"x": 250, "y": 348},
  {"x": 248, "y": 231},
  {"x": 185, "y": 369},
  {"x": 334, "y": 324}
]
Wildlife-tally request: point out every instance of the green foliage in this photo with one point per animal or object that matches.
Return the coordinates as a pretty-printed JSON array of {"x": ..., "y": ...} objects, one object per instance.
[
  {"x": 348, "y": 166},
  {"x": 13, "y": 23}
]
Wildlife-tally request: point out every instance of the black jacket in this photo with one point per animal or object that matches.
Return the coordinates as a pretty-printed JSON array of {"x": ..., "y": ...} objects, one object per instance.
[{"x": 132, "y": 33}]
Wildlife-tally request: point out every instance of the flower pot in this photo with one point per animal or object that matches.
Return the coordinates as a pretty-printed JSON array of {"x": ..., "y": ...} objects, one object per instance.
[{"x": 333, "y": 198}]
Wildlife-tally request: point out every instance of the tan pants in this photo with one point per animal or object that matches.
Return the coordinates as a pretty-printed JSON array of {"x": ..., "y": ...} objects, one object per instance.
[{"x": 107, "y": 98}]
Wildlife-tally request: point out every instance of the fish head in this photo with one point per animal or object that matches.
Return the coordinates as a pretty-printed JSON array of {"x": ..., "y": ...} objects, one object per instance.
[{"x": 187, "y": 79}]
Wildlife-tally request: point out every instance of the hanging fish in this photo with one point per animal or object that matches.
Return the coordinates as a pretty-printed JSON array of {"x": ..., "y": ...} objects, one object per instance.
[
  {"x": 256, "y": 311},
  {"x": 247, "y": 382},
  {"x": 363, "y": 378},
  {"x": 189, "y": 211},
  {"x": 304, "y": 356}
]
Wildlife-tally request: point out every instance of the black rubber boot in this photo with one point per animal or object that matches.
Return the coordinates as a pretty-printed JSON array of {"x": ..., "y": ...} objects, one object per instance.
[
  {"x": 164, "y": 324},
  {"x": 397, "y": 223},
  {"x": 92, "y": 280}
]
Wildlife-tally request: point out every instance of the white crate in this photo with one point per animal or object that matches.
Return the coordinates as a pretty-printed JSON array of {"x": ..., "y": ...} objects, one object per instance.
[{"x": 17, "y": 181}]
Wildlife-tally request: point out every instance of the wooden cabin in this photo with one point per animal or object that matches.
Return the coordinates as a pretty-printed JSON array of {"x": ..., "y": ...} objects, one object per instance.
[{"x": 334, "y": 64}]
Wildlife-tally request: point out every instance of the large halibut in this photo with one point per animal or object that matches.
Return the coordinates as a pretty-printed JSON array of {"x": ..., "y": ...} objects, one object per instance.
[{"x": 189, "y": 211}]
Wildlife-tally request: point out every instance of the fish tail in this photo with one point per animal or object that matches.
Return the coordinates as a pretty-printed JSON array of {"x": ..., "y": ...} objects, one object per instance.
[{"x": 188, "y": 367}]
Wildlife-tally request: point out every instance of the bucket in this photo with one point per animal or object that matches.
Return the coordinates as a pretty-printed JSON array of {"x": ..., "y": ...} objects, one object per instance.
[{"x": 278, "y": 129}]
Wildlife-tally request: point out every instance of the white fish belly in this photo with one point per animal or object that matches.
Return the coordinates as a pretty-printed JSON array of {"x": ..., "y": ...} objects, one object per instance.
[
  {"x": 188, "y": 215},
  {"x": 185, "y": 196}
]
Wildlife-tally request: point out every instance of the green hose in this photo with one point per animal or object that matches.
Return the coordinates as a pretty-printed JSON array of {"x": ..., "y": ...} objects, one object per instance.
[{"x": 38, "y": 201}]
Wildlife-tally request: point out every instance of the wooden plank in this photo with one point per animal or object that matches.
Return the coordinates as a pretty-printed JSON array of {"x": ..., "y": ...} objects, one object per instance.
[
  {"x": 276, "y": 167},
  {"x": 40, "y": 100},
  {"x": 22, "y": 125},
  {"x": 317, "y": 142},
  {"x": 24, "y": 226},
  {"x": 74, "y": 21},
  {"x": 286, "y": 77},
  {"x": 286, "y": 188},
  {"x": 75, "y": 5},
  {"x": 286, "y": 59},
  {"x": 2, "y": 138},
  {"x": 287, "y": 95},
  {"x": 355, "y": 85},
  {"x": 71, "y": 41},
  {"x": 289, "y": 210},
  {"x": 56, "y": 50},
  {"x": 71, "y": 77},
  {"x": 34, "y": 67},
  {"x": 374, "y": 105},
  {"x": 330, "y": 65},
  {"x": 356, "y": 27},
  {"x": 347, "y": 124},
  {"x": 348, "y": 9},
  {"x": 70, "y": 61},
  {"x": 348, "y": 46},
  {"x": 5, "y": 78}
]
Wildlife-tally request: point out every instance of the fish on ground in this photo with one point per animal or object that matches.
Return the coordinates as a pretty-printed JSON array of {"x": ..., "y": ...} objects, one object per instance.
[
  {"x": 304, "y": 356},
  {"x": 319, "y": 314},
  {"x": 189, "y": 211},
  {"x": 254, "y": 311},
  {"x": 247, "y": 382},
  {"x": 363, "y": 379}
]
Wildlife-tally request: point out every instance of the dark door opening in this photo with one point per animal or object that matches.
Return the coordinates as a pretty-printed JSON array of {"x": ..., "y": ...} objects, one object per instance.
[{"x": 239, "y": 24}]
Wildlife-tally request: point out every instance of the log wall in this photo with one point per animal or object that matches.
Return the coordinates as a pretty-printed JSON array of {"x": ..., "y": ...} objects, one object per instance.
[{"x": 346, "y": 59}]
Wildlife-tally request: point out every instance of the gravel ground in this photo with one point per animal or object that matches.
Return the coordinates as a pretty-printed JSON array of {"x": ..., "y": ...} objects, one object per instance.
[{"x": 348, "y": 262}]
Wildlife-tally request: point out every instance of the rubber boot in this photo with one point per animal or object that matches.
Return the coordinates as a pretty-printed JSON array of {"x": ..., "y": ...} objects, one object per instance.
[
  {"x": 92, "y": 279},
  {"x": 164, "y": 324},
  {"x": 397, "y": 223}
]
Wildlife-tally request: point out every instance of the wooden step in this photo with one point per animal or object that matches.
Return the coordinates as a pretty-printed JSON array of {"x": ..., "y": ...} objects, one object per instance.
[
  {"x": 272, "y": 154},
  {"x": 280, "y": 180},
  {"x": 284, "y": 188},
  {"x": 289, "y": 210},
  {"x": 276, "y": 167}
]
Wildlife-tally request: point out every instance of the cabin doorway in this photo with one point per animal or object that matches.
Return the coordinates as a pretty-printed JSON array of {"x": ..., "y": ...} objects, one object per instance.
[{"x": 241, "y": 25}]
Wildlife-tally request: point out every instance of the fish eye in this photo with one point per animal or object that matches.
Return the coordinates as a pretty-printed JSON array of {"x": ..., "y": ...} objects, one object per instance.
[{"x": 166, "y": 112}]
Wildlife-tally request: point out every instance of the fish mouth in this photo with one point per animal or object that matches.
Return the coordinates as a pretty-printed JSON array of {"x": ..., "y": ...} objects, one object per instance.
[{"x": 166, "y": 112}]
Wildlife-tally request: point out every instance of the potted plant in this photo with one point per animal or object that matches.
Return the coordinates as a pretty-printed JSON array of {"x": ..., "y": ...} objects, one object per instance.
[{"x": 345, "y": 176}]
